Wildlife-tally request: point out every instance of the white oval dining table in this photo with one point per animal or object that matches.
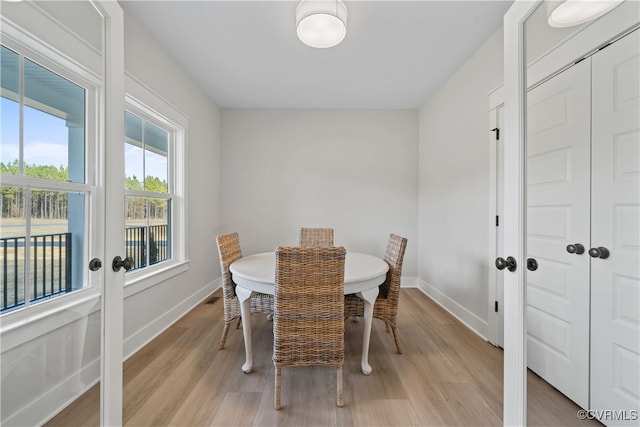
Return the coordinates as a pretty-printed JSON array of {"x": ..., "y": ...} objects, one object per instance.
[{"x": 257, "y": 273}]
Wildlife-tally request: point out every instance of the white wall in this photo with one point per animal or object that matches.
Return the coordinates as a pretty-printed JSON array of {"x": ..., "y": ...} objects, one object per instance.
[
  {"x": 149, "y": 312},
  {"x": 454, "y": 187},
  {"x": 354, "y": 171}
]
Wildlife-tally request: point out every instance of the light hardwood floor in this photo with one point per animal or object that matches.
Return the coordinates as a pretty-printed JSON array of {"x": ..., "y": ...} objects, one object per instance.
[{"x": 447, "y": 376}]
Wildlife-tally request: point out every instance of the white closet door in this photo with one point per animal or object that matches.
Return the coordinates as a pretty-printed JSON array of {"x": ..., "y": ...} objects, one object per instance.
[
  {"x": 615, "y": 298},
  {"x": 558, "y": 180}
]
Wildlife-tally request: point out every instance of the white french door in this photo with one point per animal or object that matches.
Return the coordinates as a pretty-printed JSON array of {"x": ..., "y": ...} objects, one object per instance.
[
  {"x": 112, "y": 292},
  {"x": 610, "y": 254},
  {"x": 63, "y": 75}
]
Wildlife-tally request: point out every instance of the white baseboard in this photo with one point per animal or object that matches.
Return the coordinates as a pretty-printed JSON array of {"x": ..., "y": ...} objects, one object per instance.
[
  {"x": 469, "y": 319},
  {"x": 47, "y": 405},
  {"x": 409, "y": 282}
]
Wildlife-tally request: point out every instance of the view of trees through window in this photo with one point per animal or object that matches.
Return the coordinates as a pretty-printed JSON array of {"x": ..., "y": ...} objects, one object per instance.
[
  {"x": 148, "y": 200},
  {"x": 46, "y": 205},
  {"x": 43, "y": 192}
]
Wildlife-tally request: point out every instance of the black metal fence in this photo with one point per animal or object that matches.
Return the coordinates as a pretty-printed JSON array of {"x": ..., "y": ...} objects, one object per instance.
[
  {"x": 136, "y": 244},
  {"x": 50, "y": 259},
  {"x": 50, "y": 272}
]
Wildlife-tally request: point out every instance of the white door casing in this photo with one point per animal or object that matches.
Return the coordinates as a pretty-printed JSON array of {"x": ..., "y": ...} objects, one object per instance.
[
  {"x": 615, "y": 281},
  {"x": 558, "y": 190}
]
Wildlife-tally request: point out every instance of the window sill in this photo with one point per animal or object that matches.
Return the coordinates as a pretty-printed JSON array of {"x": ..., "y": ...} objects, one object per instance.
[{"x": 138, "y": 282}]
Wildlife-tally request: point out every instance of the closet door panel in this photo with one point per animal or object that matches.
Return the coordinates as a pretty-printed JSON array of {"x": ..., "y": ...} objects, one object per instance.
[
  {"x": 558, "y": 175},
  {"x": 615, "y": 299}
]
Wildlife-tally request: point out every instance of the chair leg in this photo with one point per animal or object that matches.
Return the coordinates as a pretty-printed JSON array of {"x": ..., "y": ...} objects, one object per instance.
[
  {"x": 395, "y": 337},
  {"x": 224, "y": 336},
  {"x": 277, "y": 391},
  {"x": 340, "y": 389}
]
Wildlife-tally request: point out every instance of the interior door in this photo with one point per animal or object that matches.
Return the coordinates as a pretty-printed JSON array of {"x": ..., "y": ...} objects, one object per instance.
[
  {"x": 114, "y": 244},
  {"x": 500, "y": 226},
  {"x": 520, "y": 69},
  {"x": 558, "y": 196},
  {"x": 615, "y": 280},
  {"x": 62, "y": 79}
]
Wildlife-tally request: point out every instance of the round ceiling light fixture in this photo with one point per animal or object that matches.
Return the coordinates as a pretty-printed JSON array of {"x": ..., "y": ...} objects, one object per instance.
[
  {"x": 321, "y": 23},
  {"x": 566, "y": 13}
]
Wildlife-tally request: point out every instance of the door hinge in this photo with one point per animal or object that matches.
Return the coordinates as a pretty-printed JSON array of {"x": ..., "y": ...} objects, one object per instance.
[
  {"x": 497, "y": 131},
  {"x": 497, "y": 221},
  {"x": 496, "y": 307}
]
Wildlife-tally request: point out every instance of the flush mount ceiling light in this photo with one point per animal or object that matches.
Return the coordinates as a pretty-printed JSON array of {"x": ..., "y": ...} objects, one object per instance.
[
  {"x": 566, "y": 13},
  {"x": 321, "y": 23}
]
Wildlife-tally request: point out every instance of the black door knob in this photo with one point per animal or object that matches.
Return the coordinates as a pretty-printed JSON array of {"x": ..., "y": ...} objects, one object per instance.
[
  {"x": 599, "y": 252},
  {"x": 509, "y": 263},
  {"x": 95, "y": 264},
  {"x": 576, "y": 248},
  {"x": 532, "y": 264},
  {"x": 118, "y": 263}
]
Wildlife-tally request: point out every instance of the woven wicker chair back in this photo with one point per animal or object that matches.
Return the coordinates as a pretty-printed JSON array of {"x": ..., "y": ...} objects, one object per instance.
[
  {"x": 229, "y": 250},
  {"x": 394, "y": 256},
  {"x": 386, "y": 305},
  {"x": 308, "y": 320},
  {"x": 316, "y": 237}
]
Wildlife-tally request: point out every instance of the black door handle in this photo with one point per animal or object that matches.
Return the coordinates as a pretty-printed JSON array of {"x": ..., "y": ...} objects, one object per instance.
[
  {"x": 118, "y": 263},
  {"x": 509, "y": 263},
  {"x": 532, "y": 264},
  {"x": 576, "y": 248},
  {"x": 95, "y": 264},
  {"x": 599, "y": 252}
]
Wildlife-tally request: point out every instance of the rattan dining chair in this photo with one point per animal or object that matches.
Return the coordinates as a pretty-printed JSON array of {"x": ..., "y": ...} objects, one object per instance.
[
  {"x": 229, "y": 250},
  {"x": 316, "y": 237},
  {"x": 308, "y": 319},
  {"x": 386, "y": 306}
]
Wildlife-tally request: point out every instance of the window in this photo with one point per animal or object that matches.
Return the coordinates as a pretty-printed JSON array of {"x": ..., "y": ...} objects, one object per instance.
[
  {"x": 44, "y": 193},
  {"x": 147, "y": 195},
  {"x": 154, "y": 219}
]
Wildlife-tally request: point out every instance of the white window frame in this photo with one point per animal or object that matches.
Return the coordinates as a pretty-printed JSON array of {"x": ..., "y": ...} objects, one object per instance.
[
  {"x": 145, "y": 103},
  {"x": 36, "y": 51}
]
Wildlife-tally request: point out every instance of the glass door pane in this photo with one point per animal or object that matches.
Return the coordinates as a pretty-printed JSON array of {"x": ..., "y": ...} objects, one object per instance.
[
  {"x": 55, "y": 73},
  {"x": 559, "y": 140}
]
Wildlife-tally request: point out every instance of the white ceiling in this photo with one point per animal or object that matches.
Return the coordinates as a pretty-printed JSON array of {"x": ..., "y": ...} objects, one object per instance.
[{"x": 245, "y": 54}]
